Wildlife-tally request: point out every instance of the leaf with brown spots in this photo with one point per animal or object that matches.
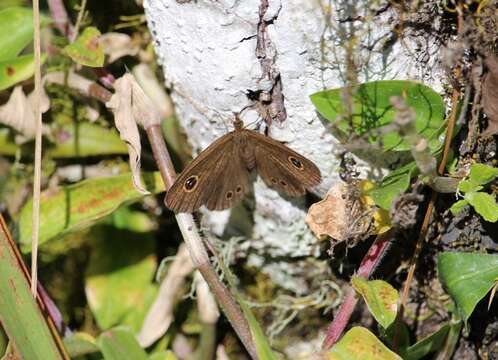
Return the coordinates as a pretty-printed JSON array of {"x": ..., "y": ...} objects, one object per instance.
[
  {"x": 78, "y": 206},
  {"x": 360, "y": 344},
  {"x": 15, "y": 70},
  {"x": 490, "y": 96},
  {"x": 381, "y": 299},
  {"x": 86, "y": 50}
]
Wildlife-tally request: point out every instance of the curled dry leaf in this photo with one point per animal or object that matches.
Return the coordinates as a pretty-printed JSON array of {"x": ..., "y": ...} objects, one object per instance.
[
  {"x": 347, "y": 214},
  {"x": 18, "y": 113},
  {"x": 490, "y": 96},
  {"x": 117, "y": 45},
  {"x": 160, "y": 314},
  {"x": 206, "y": 304},
  {"x": 154, "y": 90},
  {"x": 122, "y": 104}
]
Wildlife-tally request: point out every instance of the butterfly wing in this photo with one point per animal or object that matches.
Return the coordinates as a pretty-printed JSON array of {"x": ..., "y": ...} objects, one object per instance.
[
  {"x": 283, "y": 168},
  {"x": 216, "y": 178}
]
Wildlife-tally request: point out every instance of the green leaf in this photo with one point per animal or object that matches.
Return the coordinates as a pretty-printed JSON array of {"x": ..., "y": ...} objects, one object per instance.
[
  {"x": 394, "y": 184},
  {"x": 482, "y": 174},
  {"x": 119, "y": 287},
  {"x": 163, "y": 355},
  {"x": 484, "y": 204},
  {"x": 20, "y": 314},
  {"x": 16, "y": 30},
  {"x": 86, "y": 50},
  {"x": 468, "y": 186},
  {"x": 380, "y": 297},
  {"x": 86, "y": 139},
  {"x": 120, "y": 344},
  {"x": 261, "y": 342},
  {"x": 263, "y": 347},
  {"x": 467, "y": 277},
  {"x": 458, "y": 206},
  {"x": 360, "y": 344},
  {"x": 372, "y": 110},
  {"x": 15, "y": 70},
  {"x": 78, "y": 206},
  {"x": 79, "y": 344},
  {"x": 427, "y": 345}
]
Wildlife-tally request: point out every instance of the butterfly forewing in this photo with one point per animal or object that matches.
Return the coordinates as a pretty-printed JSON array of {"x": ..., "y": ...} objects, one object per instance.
[{"x": 188, "y": 192}]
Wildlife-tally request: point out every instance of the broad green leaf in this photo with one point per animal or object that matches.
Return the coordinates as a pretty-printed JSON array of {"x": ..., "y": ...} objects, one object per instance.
[
  {"x": 163, "y": 355},
  {"x": 429, "y": 344},
  {"x": 126, "y": 219},
  {"x": 482, "y": 174},
  {"x": 79, "y": 344},
  {"x": 360, "y": 344},
  {"x": 484, "y": 204},
  {"x": 393, "y": 185},
  {"x": 120, "y": 344},
  {"x": 467, "y": 277},
  {"x": 458, "y": 206},
  {"x": 372, "y": 110},
  {"x": 20, "y": 315},
  {"x": 86, "y": 50},
  {"x": 468, "y": 186},
  {"x": 13, "y": 71},
  {"x": 16, "y": 30},
  {"x": 74, "y": 207},
  {"x": 118, "y": 279},
  {"x": 4, "y": 4},
  {"x": 380, "y": 297},
  {"x": 86, "y": 139},
  {"x": 81, "y": 139}
]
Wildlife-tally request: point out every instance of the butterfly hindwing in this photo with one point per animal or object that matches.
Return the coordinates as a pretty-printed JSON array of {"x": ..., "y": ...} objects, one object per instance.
[{"x": 283, "y": 168}]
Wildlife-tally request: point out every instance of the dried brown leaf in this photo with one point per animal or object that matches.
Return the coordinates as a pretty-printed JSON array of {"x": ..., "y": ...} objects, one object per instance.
[
  {"x": 18, "y": 113},
  {"x": 346, "y": 214},
  {"x": 121, "y": 104},
  {"x": 117, "y": 45}
]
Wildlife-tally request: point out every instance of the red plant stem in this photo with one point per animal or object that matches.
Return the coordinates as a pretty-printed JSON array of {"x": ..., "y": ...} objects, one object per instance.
[{"x": 367, "y": 266}]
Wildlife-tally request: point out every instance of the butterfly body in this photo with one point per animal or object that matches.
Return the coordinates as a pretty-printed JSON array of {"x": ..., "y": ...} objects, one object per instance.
[{"x": 219, "y": 176}]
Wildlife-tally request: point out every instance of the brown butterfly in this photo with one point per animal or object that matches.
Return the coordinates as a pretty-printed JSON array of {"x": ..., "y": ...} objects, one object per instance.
[{"x": 219, "y": 176}]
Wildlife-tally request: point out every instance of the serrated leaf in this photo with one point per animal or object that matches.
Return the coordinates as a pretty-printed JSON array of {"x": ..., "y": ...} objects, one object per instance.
[
  {"x": 467, "y": 277},
  {"x": 482, "y": 174},
  {"x": 372, "y": 110},
  {"x": 120, "y": 344},
  {"x": 380, "y": 297},
  {"x": 78, "y": 206},
  {"x": 458, "y": 206},
  {"x": 468, "y": 186},
  {"x": 484, "y": 204},
  {"x": 86, "y": 50},
  {"x": 360, "y": 344},
  {"x": 119, "y": 289},
  {"x": 13, "y": 71},
  {"x": 16, "y": 30}
]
